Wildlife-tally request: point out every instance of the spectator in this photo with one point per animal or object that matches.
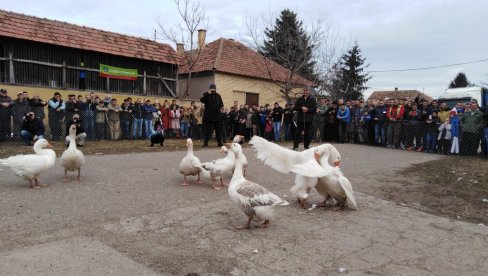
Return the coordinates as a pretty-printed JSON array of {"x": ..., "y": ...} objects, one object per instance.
[
  {"x": 277, "y": 115},
  {"x": 344, "y": 117},
  {"x": 71, "y": 106},
  {"x": 137, "y": 114},
  {"x": 175, "y": 115},
  {"x": 431, "y": 132},
  {"x": 485, "y": 133},
  {"x": 249, "y": 124},
  {"x": 56, "y": 116},
  {"x": 443, "y": 112},
  {"x": 37, "y": 106},
  {"x": 125, "y": 117},
  {"x": 332, "y": 130},
  {"x": 242, "y": 118},
  {"x": 394, "y": 115},
  {"x": 287, "y": 122},
  {"x": 113, "y": 116},
  {"x": 80, "y": 132},
  {"x": 268, "y": 129},
  {"x": 32, "y": 128},
  {"x": 412, "y": 125},
  {"x": 184, "y": 122},
  {"x": 226, "y": 128},
  {"x": 444, "y": 137},
  {"x": 89, "y": 119},
  {"x": 454, "y": 120},
  {"x": 5, "y": 116},
  {"x": 18, "y": 110},
  {"x": 471, "y": 127},
  {"x": 148, "y": 115},
  {"x": 263, "y": 114},
  {"x": 379, "y": 116},
  {"x": 101, "y": 121},
  {"x": 211, "y": 116},
  {"x": 306, "y": 107},
  {"x": 165, "y": 118}
]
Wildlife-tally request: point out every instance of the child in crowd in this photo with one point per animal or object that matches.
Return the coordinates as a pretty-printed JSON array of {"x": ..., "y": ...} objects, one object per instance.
[
  {"x": 444, "y": 137},
  {"x": 454, "y": 120},
  {"x": 268, "y": 129}
]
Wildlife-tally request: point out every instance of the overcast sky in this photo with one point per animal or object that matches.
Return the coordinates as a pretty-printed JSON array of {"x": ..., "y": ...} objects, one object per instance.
[{"x": 391, "y": 34}]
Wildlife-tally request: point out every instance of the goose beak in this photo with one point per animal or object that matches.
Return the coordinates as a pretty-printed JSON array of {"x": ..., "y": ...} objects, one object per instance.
[
  {"x": 49, "y": 146},
  {"x": 228, "y": 145},
  {"x": 317, "y": 156},
  {"x": 337, "y": 163}
]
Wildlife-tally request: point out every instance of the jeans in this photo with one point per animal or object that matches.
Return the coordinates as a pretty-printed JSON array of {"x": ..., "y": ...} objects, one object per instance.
[
  {"x": 137, "y": 128},
  {"x": 27, "y": 136},
  {"x": 148, "y": 127},
  {"x": 287, "y": 132},
  {"x": 184, "y": 129},
  {"x": 277, "y": 131},
  {"x": 379, "y": 130},
  {"x": 430, "y": 142},
  {"x": 89, "y": 124}
]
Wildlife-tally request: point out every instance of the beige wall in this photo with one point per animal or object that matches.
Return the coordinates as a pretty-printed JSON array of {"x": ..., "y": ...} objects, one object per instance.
[{"x": 234, "y": 88}]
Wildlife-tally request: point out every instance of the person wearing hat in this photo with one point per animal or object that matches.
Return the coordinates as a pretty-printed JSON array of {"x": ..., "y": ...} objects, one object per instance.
[
  {"x": 211, "y": 116},
  {"x": 5, "y": 120},
  {"x": 306, "y": 107},
  {"x": 19, "y": 109}
]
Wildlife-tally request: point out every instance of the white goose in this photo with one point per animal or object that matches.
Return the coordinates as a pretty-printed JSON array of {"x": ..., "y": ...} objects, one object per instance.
[
  {"x": 30, "y": 166},
  {"x": 191, "y": 165},
  {"x": 72, "y": 158},
  {"x": 251, "y": 198},
  {"x": 221, "y": 166},
  {"x": 331, "y": 181},
  {"x": 238, "y": 139},
  {"x": 282, "y": 159}
]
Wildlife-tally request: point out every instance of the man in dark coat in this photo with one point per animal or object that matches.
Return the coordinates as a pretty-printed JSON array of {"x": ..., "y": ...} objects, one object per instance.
[
  {"x": 5, "y": 116},
  {"x": 306, "y": 107},
  {"x": 211, "y": 117},
  {"x": 32, "y": 128}
]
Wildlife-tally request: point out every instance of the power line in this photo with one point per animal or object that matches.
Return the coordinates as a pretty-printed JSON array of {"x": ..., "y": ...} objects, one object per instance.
[{"x": 426, "y": 68}]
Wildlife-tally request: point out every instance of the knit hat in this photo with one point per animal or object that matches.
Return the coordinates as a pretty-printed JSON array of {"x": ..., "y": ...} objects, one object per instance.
[
  {"x": 212, "y": 86},
  {"x": 453, "y": 111}
]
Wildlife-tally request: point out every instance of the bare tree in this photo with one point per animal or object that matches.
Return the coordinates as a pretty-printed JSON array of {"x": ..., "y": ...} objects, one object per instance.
[
  {"x": 320, "y": 36},
  {"x": 183, "y": 35}
]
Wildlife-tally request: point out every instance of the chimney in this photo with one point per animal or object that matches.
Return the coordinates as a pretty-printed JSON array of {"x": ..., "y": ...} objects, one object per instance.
[
  {"x": 180, "y": 48},
  {"x": 396, "y": 89},
  {"x": 201, "y": 38}
]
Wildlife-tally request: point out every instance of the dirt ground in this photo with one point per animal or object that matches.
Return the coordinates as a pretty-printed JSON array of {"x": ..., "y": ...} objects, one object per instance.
[{"x": 454, "y": 186}]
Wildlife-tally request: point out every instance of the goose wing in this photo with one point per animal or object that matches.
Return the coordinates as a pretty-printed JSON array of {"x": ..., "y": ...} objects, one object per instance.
[
  {"x": 276, "y": 156},
  {"x": 347, "y": 187},
  {"x": 257, "y": 195},
  {"x": 311, "y": 168}
]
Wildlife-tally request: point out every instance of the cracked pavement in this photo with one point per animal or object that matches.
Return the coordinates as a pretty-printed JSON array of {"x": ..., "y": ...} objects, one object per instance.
[{"x": 130, "y": 216}]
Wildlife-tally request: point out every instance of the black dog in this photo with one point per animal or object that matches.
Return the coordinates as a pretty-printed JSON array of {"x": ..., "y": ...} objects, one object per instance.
[{"x": 157, "y": 138}]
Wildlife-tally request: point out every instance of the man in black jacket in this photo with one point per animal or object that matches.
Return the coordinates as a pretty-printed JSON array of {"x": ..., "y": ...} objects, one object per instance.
[
  {"x": 305, "y": 107},
  {"x": 211, "y": 116},
  {"x": 32, "y": 128}
]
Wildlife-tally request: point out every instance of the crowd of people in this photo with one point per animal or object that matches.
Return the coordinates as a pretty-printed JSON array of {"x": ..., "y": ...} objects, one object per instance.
[{"x": 409, "y": 124}]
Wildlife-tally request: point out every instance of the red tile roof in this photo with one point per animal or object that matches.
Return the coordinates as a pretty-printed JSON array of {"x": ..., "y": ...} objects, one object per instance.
[
  {"x": 232, "y": 57},
  {"x": 399, "y": 94},
  {"x": 43, "y": 30}
]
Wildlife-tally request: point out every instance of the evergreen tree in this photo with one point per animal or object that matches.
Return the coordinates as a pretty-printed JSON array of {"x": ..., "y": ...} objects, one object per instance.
[
  {"x": 460, "y": 81},
  {"x": 350, "y": 81},
  {"x": 288, "y": 44}
]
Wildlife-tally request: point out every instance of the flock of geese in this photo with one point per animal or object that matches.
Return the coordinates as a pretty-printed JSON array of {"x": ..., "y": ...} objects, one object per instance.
[
  {"x": 312, "y": 169},
  {"x": 31, "y": 166}
]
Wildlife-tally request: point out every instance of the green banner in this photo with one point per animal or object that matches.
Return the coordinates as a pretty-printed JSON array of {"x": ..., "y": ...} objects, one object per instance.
[{"x": 107, "y": 71}]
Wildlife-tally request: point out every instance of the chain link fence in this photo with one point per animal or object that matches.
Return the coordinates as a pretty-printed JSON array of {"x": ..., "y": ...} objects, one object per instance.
[{"x": 431, "y": 137}]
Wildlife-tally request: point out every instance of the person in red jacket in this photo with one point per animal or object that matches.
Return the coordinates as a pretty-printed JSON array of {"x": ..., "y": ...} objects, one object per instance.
[{"x": 394, "y": 115}]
